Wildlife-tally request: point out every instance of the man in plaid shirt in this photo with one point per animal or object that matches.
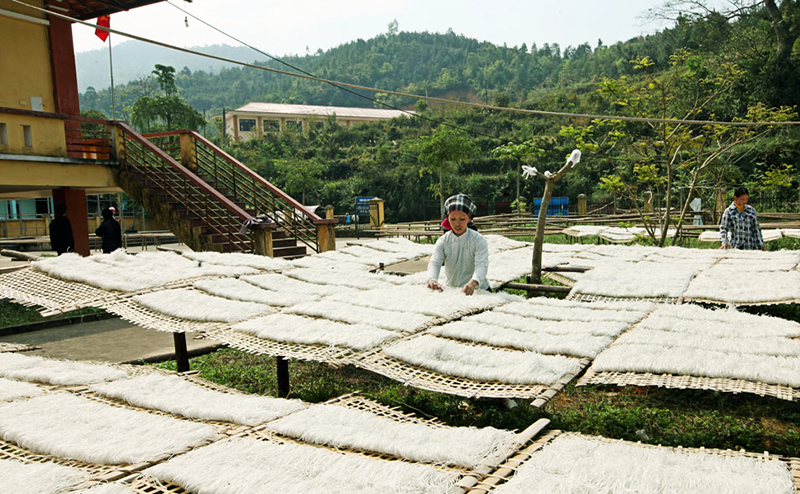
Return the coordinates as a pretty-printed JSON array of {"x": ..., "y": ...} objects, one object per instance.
[{"x": 741, "y": 220}]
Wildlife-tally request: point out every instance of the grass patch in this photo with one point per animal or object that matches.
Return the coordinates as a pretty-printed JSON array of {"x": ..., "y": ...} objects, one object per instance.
[{"x": 13, "y": 314}]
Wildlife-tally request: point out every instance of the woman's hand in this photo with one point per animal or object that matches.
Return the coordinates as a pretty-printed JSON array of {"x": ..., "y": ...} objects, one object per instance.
[
  {"x": 470, "y": 287},
  {"x": 433, "y": 285}
]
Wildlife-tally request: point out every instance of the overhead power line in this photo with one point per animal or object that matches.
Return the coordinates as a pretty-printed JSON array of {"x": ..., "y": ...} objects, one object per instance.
[{"x": 408, "y": 95}]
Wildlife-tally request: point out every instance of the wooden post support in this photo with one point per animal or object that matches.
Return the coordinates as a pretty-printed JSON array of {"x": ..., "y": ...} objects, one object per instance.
[
  {"x": 181, "y": 352},
  {"x": 582, "y": 206},
  {"x": 283, "y": 376},
  {"x": 262, "y": 237},
  {"x": 188, "y": 151},
  {"x": 326, "y": 236}
]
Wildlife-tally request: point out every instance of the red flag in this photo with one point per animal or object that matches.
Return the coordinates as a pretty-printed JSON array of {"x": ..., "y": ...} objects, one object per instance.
[{"x": 103, "y": 21}]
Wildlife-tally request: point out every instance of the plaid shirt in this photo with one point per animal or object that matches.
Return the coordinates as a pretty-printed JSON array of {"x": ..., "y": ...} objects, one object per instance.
[{"x": 743, "y": 227}]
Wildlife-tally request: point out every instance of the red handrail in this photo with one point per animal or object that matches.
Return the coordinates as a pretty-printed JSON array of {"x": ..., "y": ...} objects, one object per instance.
[{"x": 197, "y": 181}]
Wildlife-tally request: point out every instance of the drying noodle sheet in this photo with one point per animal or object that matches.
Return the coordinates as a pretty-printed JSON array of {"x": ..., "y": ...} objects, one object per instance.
[
  {"x": 642, "y": 279},
  {"x": 698, "y": 339},
  {"x": 584, "y": 230},
  {"x": 549, "y": 326},
  {"x": 193, "y": 305},
  {"x": 239, "y": 465},
  {"x": 565, "y": 248},
  {"x": 576, "y": 344},
  {"x": 17, "y": 477},
  {"x": 62, "y": 372},
  {"x": 499, "y": 243},
  {"x": 67, "y": 426},
  {"x": 404, "y": 246},
  {"x": 124, "y": 272},
  {"x": 107, "y": 488},
  {"x": 371, "y": 256},
  {"x": 726, "y": 323},
  {"x": 263, "y": 263},
  {"x": 729, "y": 285},
  {"x": 356, "y": 280},
  {"x": 11, "y": 390},
  {"x": 354, "y": 314},
  {"x": 621, "y": 252},
  {"x": 791, "y": 232},
  {"x": 322, "y": 261},
  {"x": 622, "y": 235},
  {"x": 557, "y": 310},
  {"x": 482, "y": 363},
  {"x": 571, "y": 464},
  {"x": 508, "y": 266},
  {"x": 279, "y": 282},
  {"x": 243, "y": 291},
  {"x": 343, "y": 427},
  {"x": 770, "y": 235},
  {"x": 180, "y": 397},
  {"x": 709, "y": 236},
  {"x": 420, "y": 299},
  {"x": 738, "y": 260},
  {"x": 288, "y": 328}
]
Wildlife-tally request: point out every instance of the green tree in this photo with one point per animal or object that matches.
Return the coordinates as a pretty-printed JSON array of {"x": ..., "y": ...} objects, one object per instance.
[
  {"x": 167, "y": 111},
  {"x": 525, "y": 152},
  {"x": 441, "y": 153},
  {"x": 300, "y": 175}
]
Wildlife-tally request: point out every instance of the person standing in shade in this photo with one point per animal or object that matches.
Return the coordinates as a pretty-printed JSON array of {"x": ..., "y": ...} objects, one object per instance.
[
  {"x": 61, "y": 238},
  {"x": 110, "y": 232},
  {"x": 741, "y": 221},
  {"x": 462, "y": 250}
]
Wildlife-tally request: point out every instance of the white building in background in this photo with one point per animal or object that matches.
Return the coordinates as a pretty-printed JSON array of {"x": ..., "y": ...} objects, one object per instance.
[{"x": 254, "y": 119}]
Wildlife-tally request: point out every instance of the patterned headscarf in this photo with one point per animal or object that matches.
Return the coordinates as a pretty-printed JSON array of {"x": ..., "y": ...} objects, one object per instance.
[{"x": 460, "y": 202}]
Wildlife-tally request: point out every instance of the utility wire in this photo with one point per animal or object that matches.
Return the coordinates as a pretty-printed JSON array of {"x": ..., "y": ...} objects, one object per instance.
[
  {"x": 413, "y": 96},
  {"x": 363, "y": 96}
]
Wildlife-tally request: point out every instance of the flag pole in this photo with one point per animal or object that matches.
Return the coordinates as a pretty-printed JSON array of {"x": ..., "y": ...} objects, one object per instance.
[{"x": 111, "y": 71}]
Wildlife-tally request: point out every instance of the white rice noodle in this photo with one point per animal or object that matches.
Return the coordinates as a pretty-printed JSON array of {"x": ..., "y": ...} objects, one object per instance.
[
  {"x": 317, "y": 261},
  {"x": 571, "y": 464},
  {"x": 288, "y": 328},
  {"x": 67, "y": 426},
  {"x": 240, "y": 465},
  {"x": 357, "y": 280},
  {"x": 584, "y": 230},
  {"x": 509, "y": 265},
  {"x": 642, "y": 279},
  {"x": 543, "y": 308},
  {"x": 339, "y": 258},
  {"x": 728, "y": 323},
  {"x": 752, "y": 345},
  {"x": 123, "y": 272},
  {"x": 745, "y": 287},
  {"x": 243, "y": 291},
  {"x": 107, "y": 488},
  {"x": 11, "y": 390},
  {"x": 499, "y": 243},
  {"x": 343, "y": 427},
  {"x": 61, "y": 372},
  {"x": 17, "y": 477},
  {"x": 419, "y": 299},
  {"x": 279, "y": 282},
  {"x": 354, "y": 314},
  {"x": 622, "y": 235},
  {"x": 577, "y": 344},
  {"x": 371, "y": 256},
  {"x": 710, "y": 236},
  {"x": 563, "y": 327},
  {"x": 482, "y": 363},
  {"x": 193, "y": 305},
  {"x": 180, "y": 397},
  {"x": 404, "y": 246},
  {"x": 565, "y": 248},
  {"x": 658, "y": 359},
  {"x": 621, "y": 252},
  {"x": 770, "y": 235},
  {"x": 263, "y": 263},
  {"x": 791, "y": 232}
]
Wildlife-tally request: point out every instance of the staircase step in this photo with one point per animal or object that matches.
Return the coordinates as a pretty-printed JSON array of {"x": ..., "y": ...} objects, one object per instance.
[
  {"x": 287, "y": 242},
  {"x": 288, "y": 251}
]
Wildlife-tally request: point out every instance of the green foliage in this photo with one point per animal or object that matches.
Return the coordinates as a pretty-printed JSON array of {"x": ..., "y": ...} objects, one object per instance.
[{"x": 164, "y": 112}]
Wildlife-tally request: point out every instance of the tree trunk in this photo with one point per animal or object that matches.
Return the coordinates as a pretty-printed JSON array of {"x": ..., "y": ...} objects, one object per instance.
[{"x": 538, "y": 241}]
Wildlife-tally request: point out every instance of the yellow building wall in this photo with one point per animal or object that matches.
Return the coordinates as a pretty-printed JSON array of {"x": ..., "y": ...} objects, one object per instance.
[
  {"x": 47, "y": 135},
  {"x": 31, "y": 174},
  {"x": 25, "y": 61}
]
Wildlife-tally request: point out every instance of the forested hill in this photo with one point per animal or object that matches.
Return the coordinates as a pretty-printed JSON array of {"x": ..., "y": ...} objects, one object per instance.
[{"x": 421, "y": 63}]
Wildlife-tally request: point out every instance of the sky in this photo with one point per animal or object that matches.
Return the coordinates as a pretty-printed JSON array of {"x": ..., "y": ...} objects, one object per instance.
[{"x": 292, "y": 26}]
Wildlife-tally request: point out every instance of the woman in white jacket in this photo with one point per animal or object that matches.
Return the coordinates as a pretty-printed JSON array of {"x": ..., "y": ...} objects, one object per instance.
[{"x": 462, "y": 250}]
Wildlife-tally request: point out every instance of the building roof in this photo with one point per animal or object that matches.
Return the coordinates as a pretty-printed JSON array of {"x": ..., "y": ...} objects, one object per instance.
[
  {"x": 322, "y": 111},
  {"x": 89, "y": 9}
]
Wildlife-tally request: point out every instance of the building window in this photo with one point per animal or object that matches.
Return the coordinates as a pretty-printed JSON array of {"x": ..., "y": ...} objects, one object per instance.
[
  {"x": 3, "y": 134},
  {"x": 247, "y": 124},
  {"x": 319, "y": 124},
  {"x": 272, "y": 125},
  {"x": 294, "y": 124},
  {"x": 27, "y": 135}
]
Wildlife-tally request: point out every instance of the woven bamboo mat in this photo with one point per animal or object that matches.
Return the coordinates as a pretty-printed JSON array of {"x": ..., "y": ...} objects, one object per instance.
[
  {"x": 708, "y": 300},
  {"x": 10, "y": 451},
  {"x": 16, "y": 347},
  {"x": 488, "y": 483},
  {"x": 584, "y": 297},
  {"x": 559, "y": 278},
  {"x": 30, "y": 287},
  {"x": 723, "y": 385},
  {"x": 147, "y": 318},
  {"x": 248, "y": 343},
  {"x": 143, "y": 484},
  {"x": 359, "y": 402},
  {"x": 422, "y": 378}
]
